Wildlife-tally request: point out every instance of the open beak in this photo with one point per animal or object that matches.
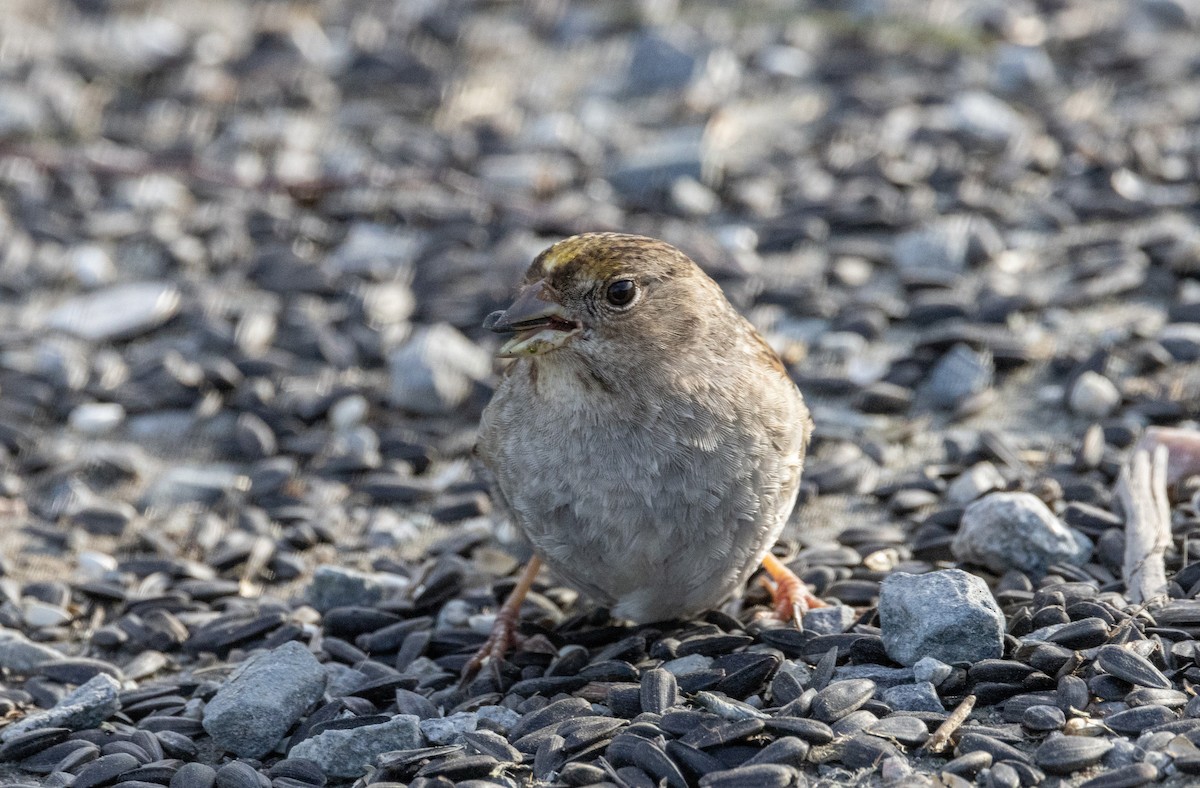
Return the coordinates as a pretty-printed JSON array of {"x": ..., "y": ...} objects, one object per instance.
[{"x": 537, "y": 323}]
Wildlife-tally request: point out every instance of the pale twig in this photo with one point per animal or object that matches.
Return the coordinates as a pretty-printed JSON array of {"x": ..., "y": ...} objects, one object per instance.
[
  {"x": 1142, "y": 490},
  {"x": 941, "y": 737}
]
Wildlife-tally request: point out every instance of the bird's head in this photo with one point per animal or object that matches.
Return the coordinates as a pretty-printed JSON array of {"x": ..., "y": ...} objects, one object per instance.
[{"x": 602, "y": 293}]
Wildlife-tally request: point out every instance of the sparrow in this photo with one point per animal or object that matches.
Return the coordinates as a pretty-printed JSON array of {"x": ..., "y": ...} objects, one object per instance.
[{"x": 645, "y": 439}]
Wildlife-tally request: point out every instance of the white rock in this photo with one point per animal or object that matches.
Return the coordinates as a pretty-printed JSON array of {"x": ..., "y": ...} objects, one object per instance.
[
  {"x": 1016, "y": 530},
  {"x": 95, "y": 565},
  {"x": 92, "y": 265},
  {"x": 96, "y": 418},
  {"x": 348, "y": 412},
  {"x": 977, "y": 480},
  {"x": 433, "y": 373},
  {"x": 116, "y": 312},
  {"x": 42, "y": 614},
  {"x": 1094, "y": 396}
]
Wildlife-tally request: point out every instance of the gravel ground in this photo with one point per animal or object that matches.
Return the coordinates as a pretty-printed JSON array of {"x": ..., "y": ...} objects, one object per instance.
[{"x": 245, "y": 249}]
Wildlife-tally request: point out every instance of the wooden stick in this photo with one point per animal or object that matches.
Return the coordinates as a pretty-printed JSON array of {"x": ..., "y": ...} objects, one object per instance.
[
  {"x": 941, "y": 737},
  {"x": 1142, "y": 490}
]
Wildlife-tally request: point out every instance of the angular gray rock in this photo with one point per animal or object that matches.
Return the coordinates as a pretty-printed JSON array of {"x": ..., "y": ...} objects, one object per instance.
[
  {"x": 449, "y": 730},
  {"x": 933, "y": 671},
  {"x": 948, "y": 615},
  {"x": 347, "y": 753},
  {"x": 336, "y": 586},
  {"x": 912, "y": 697},
  {"x": 264, "y": 697},
  {"x": 434, "y": 371},
  {"x": 90, "y": 704},
  {"x": 832, "y": 620},
  {"x": 1016, "y": 530}
]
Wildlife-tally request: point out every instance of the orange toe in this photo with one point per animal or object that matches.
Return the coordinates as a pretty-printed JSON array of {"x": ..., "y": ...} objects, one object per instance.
[{"x": 789, "y": 594}]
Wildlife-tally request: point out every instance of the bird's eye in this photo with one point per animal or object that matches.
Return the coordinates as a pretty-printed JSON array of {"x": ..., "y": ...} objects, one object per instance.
[{"x": 621, "y": 292}]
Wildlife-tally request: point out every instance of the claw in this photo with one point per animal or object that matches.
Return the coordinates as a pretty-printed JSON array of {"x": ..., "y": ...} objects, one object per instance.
[
  {"x": 788, "y": 592},
  {"x": 504, "y": 631}
]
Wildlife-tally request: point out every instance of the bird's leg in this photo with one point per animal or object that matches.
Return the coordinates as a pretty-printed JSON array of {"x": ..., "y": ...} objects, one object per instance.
[
  {"x": 504, "y": 630},
  {"x": 788, "y": 592}
]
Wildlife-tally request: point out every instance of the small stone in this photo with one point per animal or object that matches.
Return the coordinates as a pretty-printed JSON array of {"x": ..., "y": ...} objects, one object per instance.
[
  {"x": 986, "y": 119},
  {"x": 92, "y": 265},
  {"x": 449, "y": 730},
  {"x": 651, "y": 168},
  {"x": 831, "y": 620},
  {"x": 347, "y": 752},
  {"x": 336, "y": 586},
  {"x": 939, "y": 251},
  {"x": 958, "y": 375},
  {"x": 882, "y": 675},
  {"x": 693, "y": 198},
  {"x": 117, "y": 312},
  {"x": 434, "y": 372},
  {"x": 658, "y": 64},
  {"x": 948, "y": 615},
  {"x": 96, "y": 418},
  {"x": 1020, "y": 69},
  {"x": 1017, "y": 530},
  {"x": 976, "y": 481},
  {"x": 39, "y": 614},
  {"x": 1094, "y": 396},
  {"x": 263, "y": 698},
  {"x": 377, "y": 249},
  {"x": 1182, "y": 341},
  {"x": 498, "y": 718},
  {"x": 921, "y": 696},
  {"x": 22, "y": 112},
  {"x": 931, "y": 670},
  {"x": 22, "y": 656},
  {"x": 86, "y": 706},
  {"x": 348, "y": 412}
]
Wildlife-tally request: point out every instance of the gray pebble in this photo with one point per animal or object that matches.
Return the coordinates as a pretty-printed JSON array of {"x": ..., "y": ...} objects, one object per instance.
[
  {"x": 1005, "y": 531},
  {"x": 921, "y": 696},
  {"x": 337, "y": 586},
  {"x": 949, "y": 615},
  {"x": 449, "y": 730},
  {"x": 86, "y": 706},
  {"x": 1093, "y": 395},
  {"x": 348, "y": 752},
  {"x": 263, "y": 698},
  {"x": 117, "y": 312},
  {"x": 434, "y": 372}
]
